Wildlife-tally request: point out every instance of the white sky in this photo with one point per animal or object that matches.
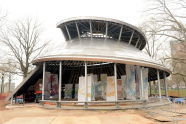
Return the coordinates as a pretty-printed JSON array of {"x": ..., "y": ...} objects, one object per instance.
[{"x": 49, "y": 12}]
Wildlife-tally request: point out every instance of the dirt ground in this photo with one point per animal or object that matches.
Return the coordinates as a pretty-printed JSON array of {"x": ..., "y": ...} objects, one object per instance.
[
  {"x": 31, "y": 114},
  {"x": 3, "y": 104}
]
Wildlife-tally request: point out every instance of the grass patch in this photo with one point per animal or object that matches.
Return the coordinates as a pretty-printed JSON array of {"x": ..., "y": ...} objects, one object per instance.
[{"x": 172, "y": 92}]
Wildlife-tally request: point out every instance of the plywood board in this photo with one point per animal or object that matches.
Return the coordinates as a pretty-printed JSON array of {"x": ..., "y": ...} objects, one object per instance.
[
  {"x": 120, "y": 89},
  {"x": 110, "y": 94},
  {"x": 130, "y": 84},
  {"x": 123, "y": 78},
  {"x": 51, "y": 85},
  {"x": 68, "y": 91}
]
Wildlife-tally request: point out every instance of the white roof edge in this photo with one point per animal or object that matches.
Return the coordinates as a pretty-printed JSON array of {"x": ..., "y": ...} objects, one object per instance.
[
  {"x": 101, "y": 19},
  {"x": 125, "y": 60}
]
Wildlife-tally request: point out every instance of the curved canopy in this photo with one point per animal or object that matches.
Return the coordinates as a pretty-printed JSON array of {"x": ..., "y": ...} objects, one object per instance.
[
  {"x": 102, "y": 28},
  {"x": 96, "y": 50}
]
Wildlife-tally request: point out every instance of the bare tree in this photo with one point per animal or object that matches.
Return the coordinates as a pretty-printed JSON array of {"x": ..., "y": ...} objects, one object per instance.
[
  {"x": 151, "y": 29},
  {"x": 170, "y": 16},
  {"x": 167, "y": 15},
  {"x": 24, "y": 43}
]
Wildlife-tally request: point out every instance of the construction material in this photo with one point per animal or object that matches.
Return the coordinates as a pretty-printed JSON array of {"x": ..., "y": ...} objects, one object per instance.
[
  {"x": 110, "y": 89},
  {"x": 68, "y": 91},
  {"x": 130, "y": 83},
  {"x": 51, "y": 85}
]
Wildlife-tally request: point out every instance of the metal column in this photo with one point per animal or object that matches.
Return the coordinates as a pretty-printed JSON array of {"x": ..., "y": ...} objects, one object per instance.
[
  {"x": 86, "y": 87},
  {"x": 141, "y": 77},
  {"x": 90, "y": 23},
  {"x": 11, "y": 100},
  {"x": 43, "y": 86},
  {"x": 60, "y": 79},
  {"x": 106, "y": 30},
  {"x": 159, "y": 86},
  {"x": 116, "y": 85},
  {"x": 60, "y": 83},
  {"x": 166, "y": 91}
]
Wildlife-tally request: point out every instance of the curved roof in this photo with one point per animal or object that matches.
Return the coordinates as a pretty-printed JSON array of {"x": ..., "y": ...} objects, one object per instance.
[
  {"x": 95, "y": 50},
  {"x": 105, "y": 28}
]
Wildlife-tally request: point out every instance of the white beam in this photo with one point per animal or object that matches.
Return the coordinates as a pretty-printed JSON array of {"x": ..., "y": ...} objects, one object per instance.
[
  {"x": 60, "y": 79},
  {"x": 78, "y": 31},
  {"x": 68, "y": 32},
  {"x": 131, "y": 38},
  {"x": 115, "y": 81},
  {"x": 86, "y": 85},
  {"x": 106, "y": 30},
  {"x": 137, "y": 42},
  {"x": 166, "y": 90},
  {"x": 11, "y": 100},
  {"x": 116, "y": 85},
  {"x": 43, "y": 86},
  {"x": 159, "y": 85},
  {"x": 119, "y": 38},
  {"x": 90, "y": 22},
  {"x": 141, "y": 77},
  {"x": 140, "y": 45}
]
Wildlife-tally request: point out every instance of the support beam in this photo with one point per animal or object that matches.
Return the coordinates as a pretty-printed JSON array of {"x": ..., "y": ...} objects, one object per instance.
[
  {"x": 60, "y": 79},
  {"x": 68, "y": 32},
  {"x": 120, "y": 33},
  {"x": 166, "y": 90},
  {"x": 43, "y": 86},
  {"x": 150, "y": 87},
  {"x": 90, "y": 22},
  {"x": 106, "y": 30},
  {"x": 11, "y": 100},
  {"x": 137, "y": 42},
  {"x": 159, "y": 85},
  {"x": 116, "y": 85},
  {"x": 131, "y": 38},
  {"x": 86, "y": 86},
  {"x": 2, "y": 83},
  {"x": 140, "y": 46},
  {"x": 78, "y": 31},
  {"x": 142, "y": 90}
]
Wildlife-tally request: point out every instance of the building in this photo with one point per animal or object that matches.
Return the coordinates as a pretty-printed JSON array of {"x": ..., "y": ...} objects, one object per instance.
[{"x": 102, "y": 62}]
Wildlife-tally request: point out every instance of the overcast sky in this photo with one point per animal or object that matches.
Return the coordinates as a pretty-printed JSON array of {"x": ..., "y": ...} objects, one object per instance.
[{"x": 50, "y": 12}]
